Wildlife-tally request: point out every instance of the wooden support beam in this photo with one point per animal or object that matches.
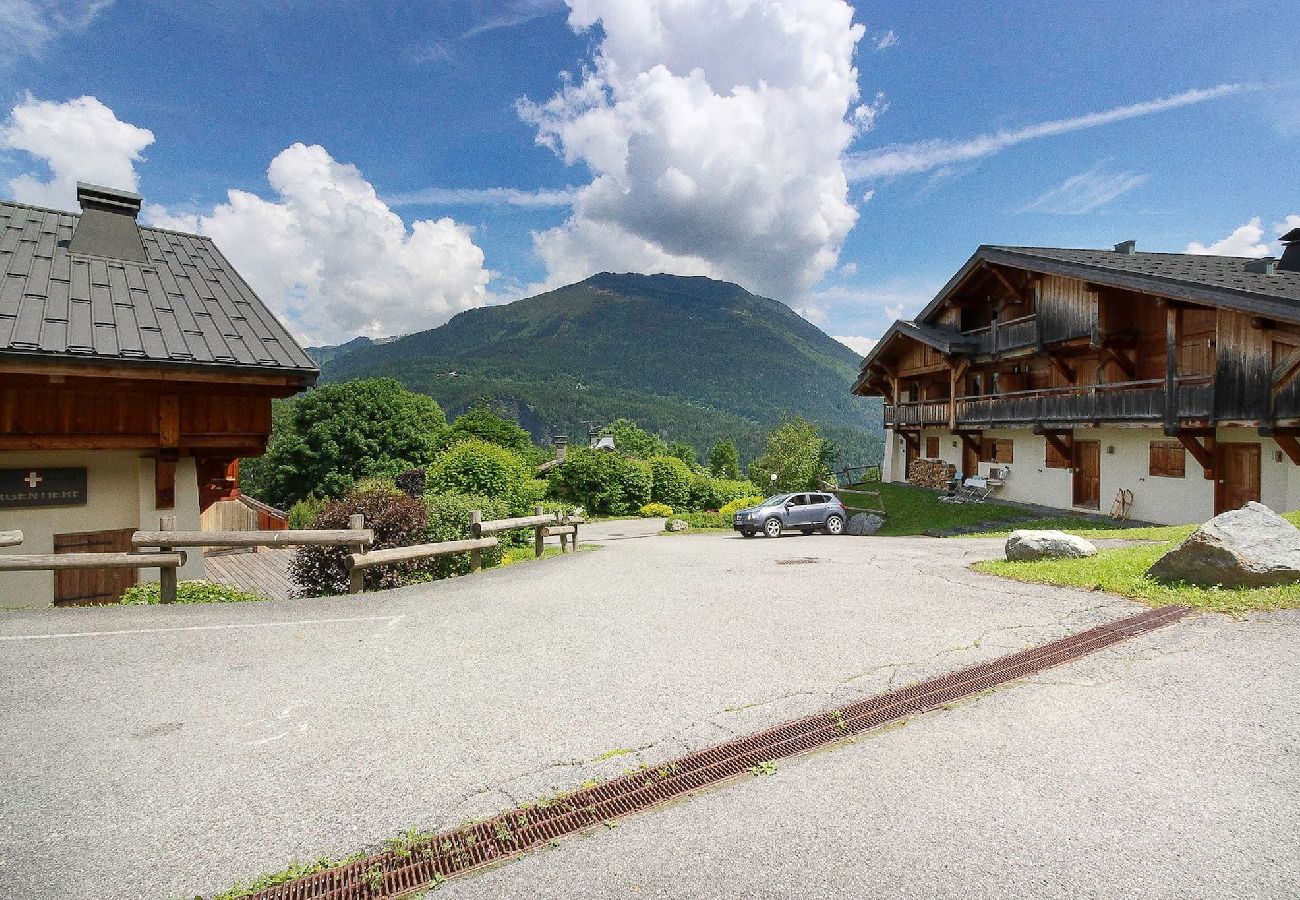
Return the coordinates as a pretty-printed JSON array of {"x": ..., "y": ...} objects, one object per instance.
[
  {"x": 169, "y": 421},
  {"x": 1285, "y": 371},
  {"x": 1128, "y": 366},
  {"x": 1062, "y": 441},
  {"x": 1290, "y": 446},
  {"x": 1173, "y": 340},
  {"x": 973, "y": 441},
  {"x": 164, "y": 482},
  {"x": 1202, "y": 453},
  {"x": 1061, "y": 366},
  {"x": 913, "y": 439},
  {"x": 1006, "y": 283}
]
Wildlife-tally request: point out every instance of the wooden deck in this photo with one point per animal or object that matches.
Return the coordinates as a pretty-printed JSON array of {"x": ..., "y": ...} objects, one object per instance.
[{"x": 266, "y": 572}]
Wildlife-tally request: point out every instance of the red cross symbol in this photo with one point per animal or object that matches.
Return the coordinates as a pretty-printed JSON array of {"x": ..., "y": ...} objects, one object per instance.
[{"x": 33, "y": 479}]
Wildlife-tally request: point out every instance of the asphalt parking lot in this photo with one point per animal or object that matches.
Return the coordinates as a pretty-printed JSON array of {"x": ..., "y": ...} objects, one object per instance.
[{"x": 171, "y": 752}]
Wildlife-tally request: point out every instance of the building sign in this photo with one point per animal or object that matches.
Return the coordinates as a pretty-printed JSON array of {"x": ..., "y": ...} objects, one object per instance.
[{"x": 42, "y": 487}]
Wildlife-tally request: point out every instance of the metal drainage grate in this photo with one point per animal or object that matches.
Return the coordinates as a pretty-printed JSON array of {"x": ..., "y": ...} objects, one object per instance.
[{"x": 404, "y": 870}]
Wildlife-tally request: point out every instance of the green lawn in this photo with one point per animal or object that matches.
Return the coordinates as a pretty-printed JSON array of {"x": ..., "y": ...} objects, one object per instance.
[
  {"x": 1122, "y": 571},
  {"x": 912, "y": 510},
  {"x": 1092, "y": 529}
]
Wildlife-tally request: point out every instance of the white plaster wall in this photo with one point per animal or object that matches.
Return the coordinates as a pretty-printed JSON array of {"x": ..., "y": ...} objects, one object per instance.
[
  {"x": 119, "y": 494},
  {"x": 891, "y": 468},
  {"x": 1155, "y": 498}
]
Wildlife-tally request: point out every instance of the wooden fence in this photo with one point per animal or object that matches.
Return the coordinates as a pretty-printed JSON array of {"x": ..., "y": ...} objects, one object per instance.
[{"x": 167, "y": 558}]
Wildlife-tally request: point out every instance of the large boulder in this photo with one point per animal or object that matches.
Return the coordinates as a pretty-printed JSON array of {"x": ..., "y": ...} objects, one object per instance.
[
  {"x": 863, "y": 524},
  {"x": 677, "y": 525},
  {"x": 1248, "y": 547},
  {"x": 1028, "y": 545}
]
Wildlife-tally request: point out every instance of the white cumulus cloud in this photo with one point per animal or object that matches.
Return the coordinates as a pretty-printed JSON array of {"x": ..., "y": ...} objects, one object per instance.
[
  {"x": 1247, "y": 240},
  {"x": 715, "y": 132},
  {"x": 78, "y": 140},
  {"x": 1081, "y": 194},
  {"x": 858, "y": 343},
  {"x": 333, "y": 259}
]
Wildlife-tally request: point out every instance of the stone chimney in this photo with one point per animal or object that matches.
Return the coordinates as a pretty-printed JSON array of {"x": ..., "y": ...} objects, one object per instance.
[
  {"x": 107, "y": 225},
  {"x": 1127, "y": 248},
  {"x": 561, "y": 443},
  {"x": 1290, "y": 261}
]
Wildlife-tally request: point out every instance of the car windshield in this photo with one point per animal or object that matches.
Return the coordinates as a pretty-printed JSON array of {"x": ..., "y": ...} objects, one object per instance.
[{"x": 775, "y": 500}]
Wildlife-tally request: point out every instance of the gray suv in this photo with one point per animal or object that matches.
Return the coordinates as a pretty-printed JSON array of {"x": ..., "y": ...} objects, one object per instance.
[{"x": 807, "y": 512}]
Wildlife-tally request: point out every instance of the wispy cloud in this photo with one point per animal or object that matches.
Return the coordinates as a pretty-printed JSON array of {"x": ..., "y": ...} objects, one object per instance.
[
  {"x": 519, "y": 12},
  {"x": 909, "y": 159},
  {"x": 484, "y": 197},
  {"x": 26, "y": 26},
  {"x": 1081, "y": 194},
  {"x": 887, "y": 40}
]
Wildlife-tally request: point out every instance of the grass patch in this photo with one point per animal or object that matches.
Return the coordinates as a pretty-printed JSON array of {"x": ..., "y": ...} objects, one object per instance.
[
  {"x": 514, "y": 555},
  {"x": 1123, "y": 571},
  {"x": 1097, "y": 530},
  {"x": 714, "y": 521},
  {"x": 913, "y": 510},
  {"x": 189, "y": 592},
  {"x": 291, "y": 872}
]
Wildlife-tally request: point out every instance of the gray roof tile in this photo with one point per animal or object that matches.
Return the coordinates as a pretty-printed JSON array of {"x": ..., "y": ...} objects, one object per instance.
[{"x": 187, "y": 305}]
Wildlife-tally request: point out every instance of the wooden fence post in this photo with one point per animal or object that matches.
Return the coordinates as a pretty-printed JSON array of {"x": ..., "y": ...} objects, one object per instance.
[
  {"x": 539, "y": 541},
  {"x": 167, "y": 576},
  {"x": 357, "y": 577},
  {"x": 575, "y": 537},
  {"x": 476, "y": 532}
]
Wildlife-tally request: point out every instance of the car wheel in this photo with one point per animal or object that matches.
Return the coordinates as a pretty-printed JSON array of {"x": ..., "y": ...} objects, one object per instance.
[
  {"x": 772, "y": 527},
  {"x": 747, "y": 532},
  {"x": 835, "y": 525}
]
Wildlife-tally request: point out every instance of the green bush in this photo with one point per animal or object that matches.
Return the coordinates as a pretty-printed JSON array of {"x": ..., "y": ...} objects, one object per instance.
[
  {"x": 478, "y": 468},
  {"x": 654, "y": 511},
  {"x": 448, "y": 520},
  {"x": 602, "y": 482},
  {"x": 704, "y": 519},
  {"x": 302, "y": 513},
  {"x": 714, "y": 493},
  {"x": 670, "y": 481},
  {"x": 398, "y": 521},
  {"x": 485, "y": 423},
  {"x": 728, "y": 510},
  {"x": 376, "y": 484},
  {"x": 189, "y": 592}
]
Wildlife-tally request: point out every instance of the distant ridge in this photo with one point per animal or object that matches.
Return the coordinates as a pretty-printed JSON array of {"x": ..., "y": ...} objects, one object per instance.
[{"x": 690, "y": 357}]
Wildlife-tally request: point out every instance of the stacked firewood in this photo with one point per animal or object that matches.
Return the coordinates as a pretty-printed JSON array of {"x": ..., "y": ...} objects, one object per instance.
[{"x": 931, "y": 473}]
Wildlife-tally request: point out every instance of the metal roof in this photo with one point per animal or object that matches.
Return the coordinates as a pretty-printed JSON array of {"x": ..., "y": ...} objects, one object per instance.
[
  {"x": 1213, "y": 280},
  {"x": 185, "y": 306}
]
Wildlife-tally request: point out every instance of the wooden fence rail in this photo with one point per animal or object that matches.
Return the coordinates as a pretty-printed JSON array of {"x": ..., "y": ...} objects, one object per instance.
[
  {"x": 36, "y": 562},
  {"x": 326, "y": 538}
]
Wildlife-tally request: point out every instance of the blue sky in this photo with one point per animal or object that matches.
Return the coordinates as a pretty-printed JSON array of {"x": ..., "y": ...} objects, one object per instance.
[{"x": 755, "y": 171}]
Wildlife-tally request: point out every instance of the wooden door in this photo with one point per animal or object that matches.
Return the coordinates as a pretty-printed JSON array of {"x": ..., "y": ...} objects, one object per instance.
[
  {"x": 1087, "y": 474},
  {"x": 1238, "y": 481},
  {"x": 86, "y": 586}
]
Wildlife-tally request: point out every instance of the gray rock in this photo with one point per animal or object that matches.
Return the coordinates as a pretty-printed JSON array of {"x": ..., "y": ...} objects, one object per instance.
[
  {"x": 1029, "y": 545},
  {"x": 1248, "y": 547},
  {"x": 677, "y": 525},
  {"x": 863, "y": 524}
]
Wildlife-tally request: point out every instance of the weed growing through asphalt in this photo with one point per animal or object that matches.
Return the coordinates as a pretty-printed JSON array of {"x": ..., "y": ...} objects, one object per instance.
[{"x": 766, "y": 767}]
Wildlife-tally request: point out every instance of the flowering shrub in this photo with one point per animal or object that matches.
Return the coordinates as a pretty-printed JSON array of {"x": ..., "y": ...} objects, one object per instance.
[{"x": 654, "y": 511}]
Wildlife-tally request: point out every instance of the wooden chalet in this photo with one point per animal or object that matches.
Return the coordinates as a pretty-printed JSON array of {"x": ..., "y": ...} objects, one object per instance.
[
  {"x": 136, "y": 368},
  {"x": 1089, "y": 372}
]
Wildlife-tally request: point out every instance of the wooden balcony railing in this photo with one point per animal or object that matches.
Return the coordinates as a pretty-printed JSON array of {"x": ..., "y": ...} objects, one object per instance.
[
  {"x": 1129, "y": 401},
  {"x": 1013, "y": 334}
]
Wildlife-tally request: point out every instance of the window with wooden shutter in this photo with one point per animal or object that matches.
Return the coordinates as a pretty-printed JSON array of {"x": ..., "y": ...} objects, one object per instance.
[
  {"x": 932, "y": 447},
  {"x": 1168, "y": 459},
  {"x": 1056, "y": 459},
  {"x": 1003, "y": 452}
]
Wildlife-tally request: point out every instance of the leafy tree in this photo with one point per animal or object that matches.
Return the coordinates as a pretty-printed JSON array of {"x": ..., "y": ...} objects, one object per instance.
[
  {"x": 483, "y": 422},
  {"x": 603, "y": 482},
  {"x": 254, "y": 471},
  {"x": 474, "y": 466},
  {"x": 796, "y": 453},
  {"x": 685, "y": 452},
  {"x": 337, "y": 434},
  {"x": 724, "y": 460},
  {"x": 670, "y": 482},
  {"x": 631, "y": 439}
]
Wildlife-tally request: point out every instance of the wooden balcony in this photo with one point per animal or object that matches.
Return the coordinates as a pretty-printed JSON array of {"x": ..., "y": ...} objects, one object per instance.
[
  {"x": 1130, "y": 401},
  {"x": 1002, "y": 337}
]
